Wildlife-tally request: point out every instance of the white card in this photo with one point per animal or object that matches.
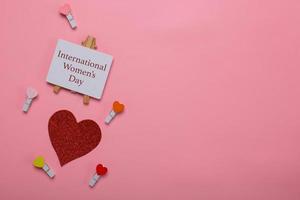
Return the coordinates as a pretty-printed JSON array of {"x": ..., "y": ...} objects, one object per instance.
[{"x": 79, "y": 69}]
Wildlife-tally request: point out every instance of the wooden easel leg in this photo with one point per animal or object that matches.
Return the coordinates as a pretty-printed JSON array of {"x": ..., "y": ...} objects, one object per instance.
[
  {"x": 56, "y": 89},
  {"x": 86, "y": 99},
  {"x": 90, "y": 42}
]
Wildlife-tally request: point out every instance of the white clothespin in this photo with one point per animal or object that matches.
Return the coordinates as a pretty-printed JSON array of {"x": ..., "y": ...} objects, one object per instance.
[
  {"x": 66, "y": 11},
  {"x": 94, "y": 180},
  {"x": 117, "y": 108},
  {"x": 100, "y": 171},
  {"x": 40, "y": 163},
  {"x": 31, "y": 94}
]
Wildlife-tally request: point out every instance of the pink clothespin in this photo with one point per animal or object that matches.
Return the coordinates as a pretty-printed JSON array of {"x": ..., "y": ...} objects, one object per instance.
[{"x": 66, "y": 11}]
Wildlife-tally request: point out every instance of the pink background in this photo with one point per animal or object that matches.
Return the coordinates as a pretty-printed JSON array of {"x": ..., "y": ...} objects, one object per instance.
[{"x": 211, "y": 89}]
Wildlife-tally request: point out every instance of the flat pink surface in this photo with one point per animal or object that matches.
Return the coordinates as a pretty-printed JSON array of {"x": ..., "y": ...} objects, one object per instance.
[{"x": 212, "y": 97}]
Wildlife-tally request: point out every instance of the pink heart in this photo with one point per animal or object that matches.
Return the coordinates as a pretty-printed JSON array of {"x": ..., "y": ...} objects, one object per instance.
[{"x": 65, "y": 9}]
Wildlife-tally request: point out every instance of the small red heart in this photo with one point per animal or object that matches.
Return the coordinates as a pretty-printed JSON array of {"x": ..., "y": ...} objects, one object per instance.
[
  {"x": 101, "y": 170},
  {"x": 70, "y": 139}
]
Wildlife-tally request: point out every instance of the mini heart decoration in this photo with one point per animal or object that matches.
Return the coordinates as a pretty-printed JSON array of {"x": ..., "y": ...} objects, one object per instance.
[
  {"x": 71, "y": 139},
  {"x": 101, "y": 170},
  {"x": 118, "y": 107},
  {"x": 65, "y": 9},
  {"x": 39, "y": 162}
]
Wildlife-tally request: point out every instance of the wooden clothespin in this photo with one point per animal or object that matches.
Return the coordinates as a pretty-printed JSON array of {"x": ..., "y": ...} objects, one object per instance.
[{"x": 89, "y": 42}]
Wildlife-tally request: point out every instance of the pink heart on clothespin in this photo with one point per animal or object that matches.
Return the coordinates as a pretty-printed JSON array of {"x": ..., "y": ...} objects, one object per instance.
[{"x": 65, "y": 9}]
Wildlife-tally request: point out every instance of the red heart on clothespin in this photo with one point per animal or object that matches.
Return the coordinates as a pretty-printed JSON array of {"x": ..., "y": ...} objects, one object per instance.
[{"x": 101, "y": 170}]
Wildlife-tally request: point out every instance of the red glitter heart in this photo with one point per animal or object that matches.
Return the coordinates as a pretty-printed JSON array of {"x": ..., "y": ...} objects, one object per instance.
[
  {"x": 101, "y": 170},
  {"x": 70, "y": 139}
]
